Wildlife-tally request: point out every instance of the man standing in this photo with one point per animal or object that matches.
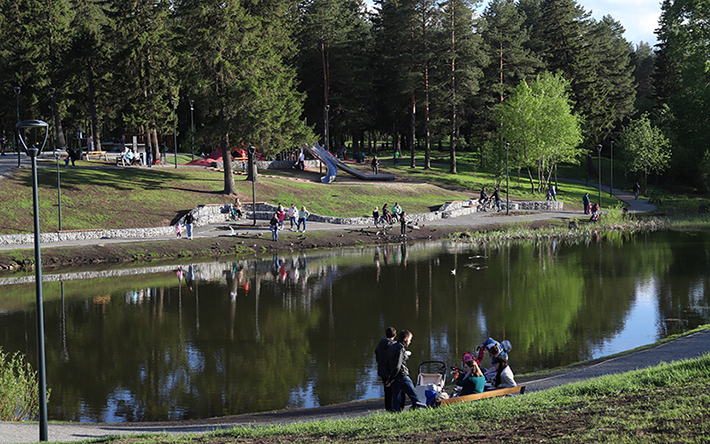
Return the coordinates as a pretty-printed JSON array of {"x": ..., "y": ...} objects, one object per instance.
[
  {"x": 397, "y": 356},
  {"x": 496, "y": 196},
  {"x": 189, "y": 220},
  {"x": 375, "y": 165},
  {"x": 585, "y": 202},
  {"x": 637, "y": 188},
  {"x": 382, "y": 369}
]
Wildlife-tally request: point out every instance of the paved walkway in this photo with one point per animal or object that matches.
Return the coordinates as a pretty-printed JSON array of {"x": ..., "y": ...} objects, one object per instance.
[{"x": 691, "y": 346}]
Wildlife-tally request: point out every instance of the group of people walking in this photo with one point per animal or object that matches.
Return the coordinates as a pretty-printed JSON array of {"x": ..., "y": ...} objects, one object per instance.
[
  {"x": 396, "y": 214},
  {"x": 295, "y": 216},
  {"x": 392, "y": 355}
]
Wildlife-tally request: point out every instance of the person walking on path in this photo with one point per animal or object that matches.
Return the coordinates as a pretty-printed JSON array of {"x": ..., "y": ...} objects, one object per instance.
[
  {"x": 552, "y": 194},
  {"x": 396, "y": 157},
  {"x": 375, "y": 164},
  {"x": 382, "y": 369},
  {"x": 376, "y": 216},
  {"x": 637, "y": 188},
  {"x": 281, "y": 212},
  {"x": 403, "y": 223},
  {"x": 397, "y": 356},
  {"x": 302, "y": 216},
  {"x": 189, "y": 220},
  {"x": 586, "y": 202},
  {"x": 292, "y": 213},
  {"x": 496, "y": 196},
  {"x": 274, "y": 225}
]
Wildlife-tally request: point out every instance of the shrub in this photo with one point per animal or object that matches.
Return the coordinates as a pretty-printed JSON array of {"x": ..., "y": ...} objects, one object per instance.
[{"x": 19, "y": 389}]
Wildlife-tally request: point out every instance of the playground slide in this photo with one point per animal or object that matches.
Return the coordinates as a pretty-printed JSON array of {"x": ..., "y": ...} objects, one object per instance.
[{"x": 333, "y": 164}]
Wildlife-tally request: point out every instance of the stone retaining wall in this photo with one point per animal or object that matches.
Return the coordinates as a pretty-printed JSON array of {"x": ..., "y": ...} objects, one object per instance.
[{"x": 211, "y": 214}]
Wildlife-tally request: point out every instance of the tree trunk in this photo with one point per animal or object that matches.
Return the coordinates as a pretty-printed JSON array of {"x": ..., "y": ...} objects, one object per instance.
[
  {"x": 454, "y": 123},
  {"x": 94, "y": 115},
  {"x": 229, "y": 187},
  {"x": 61, "y": 142},
  {"x": 412, "y": 130},
  {"x": 156, "y": 146}
]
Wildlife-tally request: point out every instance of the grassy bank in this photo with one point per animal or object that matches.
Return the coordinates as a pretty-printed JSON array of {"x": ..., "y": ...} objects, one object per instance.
[{"x": 666, "y": 403}]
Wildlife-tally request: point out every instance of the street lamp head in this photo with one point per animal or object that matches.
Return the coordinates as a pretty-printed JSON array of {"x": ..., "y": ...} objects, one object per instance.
[
  {"x": 507, "y": 145},
  {"x": 32, "y": 125},
  {"x": 52, "y": 91},
  {"x": 17, "y": 90},
  {"x": 252, "y": 149},
  {"x": 599, "y": 147},
  {"x": 192, "y": 103}
]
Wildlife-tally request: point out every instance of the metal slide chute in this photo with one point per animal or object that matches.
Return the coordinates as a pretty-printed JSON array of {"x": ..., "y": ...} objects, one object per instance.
[{"x": 333, "y": 163}]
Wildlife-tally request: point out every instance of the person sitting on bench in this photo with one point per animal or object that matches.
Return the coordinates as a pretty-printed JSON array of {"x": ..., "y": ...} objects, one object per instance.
[
  {"x": 471, "y": 380},
  {"x": 504, "y": 377}
]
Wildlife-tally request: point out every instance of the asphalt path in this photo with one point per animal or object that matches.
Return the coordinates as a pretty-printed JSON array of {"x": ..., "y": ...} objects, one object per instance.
[{"x": 690, "y": 346}]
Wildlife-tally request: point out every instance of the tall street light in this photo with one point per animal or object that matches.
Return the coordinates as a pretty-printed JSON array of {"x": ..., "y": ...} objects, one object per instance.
[
  {"x": 192, "y": 132},
  {"x": 611, "y": 176},
  {"x": 507, "y": 189},
  {"x": 56, "y": 155},
  {"x": 33, "y": 152},
  {"x": 175, "y": 128},
  {"x": 599, "y": 152},
  {"x": 17, "y": 142}
]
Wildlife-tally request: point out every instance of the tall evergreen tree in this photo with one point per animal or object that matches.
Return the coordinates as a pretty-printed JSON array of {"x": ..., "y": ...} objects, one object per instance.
[
  {"x": 142, "y": 36},
  {"x": 681, "y": 84},
  {"x": 396, "y": 34},
  {"x": 465, "y": 59},
  {"x": 34, "y": 33},
  {"x": 502, "y": 27},
  {"x": 236, "y": 57},
  {"x": 333, "y": 58}
]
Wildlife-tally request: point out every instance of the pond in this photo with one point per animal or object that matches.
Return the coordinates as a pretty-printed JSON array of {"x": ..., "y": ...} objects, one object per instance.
[{"x": 299, "y": 330}]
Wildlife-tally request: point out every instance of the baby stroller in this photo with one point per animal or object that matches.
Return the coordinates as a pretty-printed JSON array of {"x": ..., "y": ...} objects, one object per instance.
[{"x": 430, "y": 386}]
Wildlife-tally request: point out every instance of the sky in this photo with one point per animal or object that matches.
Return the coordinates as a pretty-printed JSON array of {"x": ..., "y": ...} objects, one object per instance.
[{"x": 638, "y": 17}]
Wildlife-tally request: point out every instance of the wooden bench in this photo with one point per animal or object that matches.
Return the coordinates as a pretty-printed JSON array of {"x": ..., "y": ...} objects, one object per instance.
[
  {"x": 488, "y": 394},
  {"x": 97, "y": 153}
]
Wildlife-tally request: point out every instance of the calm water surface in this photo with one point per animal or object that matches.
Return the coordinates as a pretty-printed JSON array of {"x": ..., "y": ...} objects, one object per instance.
[{"x": 299, "y": 330}]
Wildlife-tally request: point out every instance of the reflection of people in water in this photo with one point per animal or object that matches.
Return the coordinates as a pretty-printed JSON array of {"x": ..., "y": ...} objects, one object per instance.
[
  {"x": 190, "y": 276},
  {"x": 377, "y": 264},
  {"x": 179, "y": 274}
]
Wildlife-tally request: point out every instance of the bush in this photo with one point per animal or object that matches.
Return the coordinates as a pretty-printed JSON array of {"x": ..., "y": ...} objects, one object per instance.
[{"x": 19, "y": 389}]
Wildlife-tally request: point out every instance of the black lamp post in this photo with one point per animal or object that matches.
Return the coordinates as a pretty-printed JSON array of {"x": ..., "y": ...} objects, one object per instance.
[
  {"x": 599, "y": 153},
  {"x": 192, "y": 132},
  {"x": 507, "y": 189},
  {"x": 175, "y": 128},
  {"x": 611, "y": 176},
  {"x": 252, "y": 167},
  {"x": 33, "y": 152},
  {"x": 17, "y": 142}
]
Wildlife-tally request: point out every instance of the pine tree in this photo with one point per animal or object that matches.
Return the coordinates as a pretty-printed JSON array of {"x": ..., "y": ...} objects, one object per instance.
[
  {"x": 142, "y": 38},
  {"x": 333, "y": 58},
  {"x": 34, "y": 33},
  {"x": 235, "y": 55},
  {"x": 465, "y": 61},
  {"x": 506, "y": 38}
]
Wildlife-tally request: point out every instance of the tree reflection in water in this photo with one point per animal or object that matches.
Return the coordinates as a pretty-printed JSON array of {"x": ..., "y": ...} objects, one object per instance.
[{"x": 297, "y": 330}]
